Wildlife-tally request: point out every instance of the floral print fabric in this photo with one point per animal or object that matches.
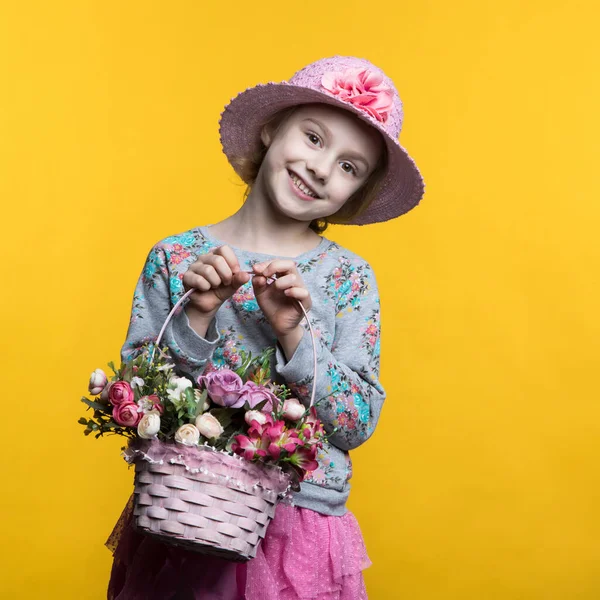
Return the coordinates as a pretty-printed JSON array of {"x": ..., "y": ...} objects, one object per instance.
[{"x": 346, "y": 320}]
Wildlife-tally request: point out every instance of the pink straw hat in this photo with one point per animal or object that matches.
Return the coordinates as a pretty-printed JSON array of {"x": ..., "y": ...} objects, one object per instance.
[{"x": 354, "y": 84}]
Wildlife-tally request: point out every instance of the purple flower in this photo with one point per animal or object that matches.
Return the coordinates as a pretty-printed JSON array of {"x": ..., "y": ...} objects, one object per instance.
[
  {"x": 253, "y": 394},
  {"x": 224, "y": 387}
]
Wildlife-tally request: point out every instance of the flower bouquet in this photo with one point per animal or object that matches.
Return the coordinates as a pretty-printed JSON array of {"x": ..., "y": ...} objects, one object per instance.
[{"x": 212, "y": 456}]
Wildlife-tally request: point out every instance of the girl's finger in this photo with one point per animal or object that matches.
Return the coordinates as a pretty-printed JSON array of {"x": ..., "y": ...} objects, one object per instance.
[
  {"x": 300, "y": 294},
  {"x": 280, "y": 266},
  {"x": 259, "y": 283},
  {"x": 193, "y": 280},
  {"x": 210, "y": 274},
  {"x": 229, "y": 256},
  {"x": 240, "y": 278},
  {"x": 222, "y": 268},
  {"x": 287, "y": 281}
]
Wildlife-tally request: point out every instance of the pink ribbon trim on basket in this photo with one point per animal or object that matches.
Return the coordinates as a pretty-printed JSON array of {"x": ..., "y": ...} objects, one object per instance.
[
  {"x": 312, "y": 333},
  {"x": 218, "y": 465}
]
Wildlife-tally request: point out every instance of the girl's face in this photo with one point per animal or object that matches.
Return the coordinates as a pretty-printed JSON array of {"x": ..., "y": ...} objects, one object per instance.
[{"x": 319, "y": 157}]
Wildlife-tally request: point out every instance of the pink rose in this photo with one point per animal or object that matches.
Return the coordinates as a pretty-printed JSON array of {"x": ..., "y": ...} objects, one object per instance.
[
  {"x": 254, "y": 394},
  {"x": 363, "y": 88},
  {"x": 126, "y": 414},
  {"x": 224, "y": 387},
  {"x": 120, "y": 392}
]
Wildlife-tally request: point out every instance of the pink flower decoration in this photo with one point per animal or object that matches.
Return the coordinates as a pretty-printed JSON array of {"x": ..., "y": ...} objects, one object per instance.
[
  {"x": 120, "y": 392},
  {"x": 304, "y": 459},
  {"x": 363, "y": 88},
  {"x": 250, "y": 446},
  {"x": 126, "y": 414}
]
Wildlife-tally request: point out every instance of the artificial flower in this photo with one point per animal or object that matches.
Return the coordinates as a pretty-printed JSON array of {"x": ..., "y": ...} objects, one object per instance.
[
  {"x": 150, "y": 403},
  {"x": 126, "y": 414},
  {"x": 253, "y": 394},
  {"x": 363, "y": 88},
  {"x": 209, "y": 426},
  {"x": 176, "y": 389},
  {"x": 255, "y": 415},
  {"x": 304, "y": 458},
  {"x": 137, "y": 382},
  {"x": 249, "y": 446},
  {"x": 224, "y": 387},
  {"x": 120, "y": 392},
  {"x": 293, "y": 409},
  {"x": 187, "y": 434},
  {"x": 149, "y": 425},
  {"x": 98, "y": 381}
]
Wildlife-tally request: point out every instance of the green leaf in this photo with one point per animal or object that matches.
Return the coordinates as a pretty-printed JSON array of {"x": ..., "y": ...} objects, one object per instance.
[
  {"x": 97, "y": 406},
  {"x": 200, "y": 403},
  {"x": 190, "y": 398}
]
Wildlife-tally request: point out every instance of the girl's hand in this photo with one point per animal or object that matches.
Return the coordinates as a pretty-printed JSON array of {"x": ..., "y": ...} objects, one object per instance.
[
  {"x": 278, "y": 299},
  {"x": 216, "y": 276}
]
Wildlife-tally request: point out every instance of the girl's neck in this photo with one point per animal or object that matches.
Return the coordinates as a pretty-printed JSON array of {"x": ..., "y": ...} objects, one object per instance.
[{"x": 255, "y": 227}]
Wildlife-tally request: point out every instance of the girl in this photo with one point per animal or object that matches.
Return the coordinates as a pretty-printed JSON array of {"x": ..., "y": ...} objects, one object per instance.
[{"x": 319, "y": 149}]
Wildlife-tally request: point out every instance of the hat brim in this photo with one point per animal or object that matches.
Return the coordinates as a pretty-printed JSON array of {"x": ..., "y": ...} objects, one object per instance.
[{"x": 241, "y": 120}]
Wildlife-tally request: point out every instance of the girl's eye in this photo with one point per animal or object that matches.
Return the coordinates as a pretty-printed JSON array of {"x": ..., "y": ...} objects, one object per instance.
[
  {"x": 314, "y": 139},
  {"x": 351, "y": 169}
]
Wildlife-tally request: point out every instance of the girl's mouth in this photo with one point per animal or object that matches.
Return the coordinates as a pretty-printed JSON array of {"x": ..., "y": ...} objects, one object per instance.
[{"x": 300, "y": 188}]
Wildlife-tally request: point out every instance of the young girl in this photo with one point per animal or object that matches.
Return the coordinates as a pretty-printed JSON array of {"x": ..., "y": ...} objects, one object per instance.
[{"x": 321, "y": 148}]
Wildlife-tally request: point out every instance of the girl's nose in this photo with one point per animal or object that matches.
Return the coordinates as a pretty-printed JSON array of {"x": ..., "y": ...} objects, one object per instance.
[{"x": 319, "y": 168}]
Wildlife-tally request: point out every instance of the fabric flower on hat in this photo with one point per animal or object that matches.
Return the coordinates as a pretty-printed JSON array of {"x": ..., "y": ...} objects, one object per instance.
[{"x": 363, "y": 88}]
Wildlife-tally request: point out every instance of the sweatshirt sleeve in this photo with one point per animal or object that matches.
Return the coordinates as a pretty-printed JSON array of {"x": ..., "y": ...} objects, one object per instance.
[
  {"x": 158, "y": 289},
  {"x": 349, "y": 395}
]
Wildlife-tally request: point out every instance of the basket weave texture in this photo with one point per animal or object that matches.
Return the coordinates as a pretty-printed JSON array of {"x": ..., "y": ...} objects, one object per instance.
[{"x": 203, "y": 500}]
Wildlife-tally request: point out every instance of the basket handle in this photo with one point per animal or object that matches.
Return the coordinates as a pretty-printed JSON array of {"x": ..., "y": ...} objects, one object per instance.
[{"x": 312, "y": 333}]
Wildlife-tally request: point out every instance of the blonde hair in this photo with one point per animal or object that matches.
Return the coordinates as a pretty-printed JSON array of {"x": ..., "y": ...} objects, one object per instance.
[{"x": 249, "y": 166}]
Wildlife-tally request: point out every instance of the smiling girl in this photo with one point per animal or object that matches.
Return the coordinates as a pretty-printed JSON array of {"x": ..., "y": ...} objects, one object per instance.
[{"x": 322, "y": 148}]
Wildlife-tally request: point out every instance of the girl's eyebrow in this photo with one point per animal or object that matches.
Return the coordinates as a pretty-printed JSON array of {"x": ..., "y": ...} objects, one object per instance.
[{"x": 354, "y": 155}]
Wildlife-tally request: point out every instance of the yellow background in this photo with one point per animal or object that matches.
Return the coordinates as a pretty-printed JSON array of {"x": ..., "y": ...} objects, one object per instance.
[{"x": 481, "y": 482}]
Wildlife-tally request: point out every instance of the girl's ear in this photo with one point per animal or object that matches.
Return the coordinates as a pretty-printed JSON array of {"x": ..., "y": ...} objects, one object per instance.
[{"x": 265, "y": 136}]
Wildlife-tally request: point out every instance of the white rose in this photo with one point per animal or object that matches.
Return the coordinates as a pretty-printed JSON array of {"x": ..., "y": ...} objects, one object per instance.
[
  {"x": 209, "y": 426},
  {"x": 177, "y": 385},
  {"x": 255, "y": 415},
  {"x": 149, "y": 426},
  {"x": 98, "y": 381},
  {"x": 293, "y": 409},
  {"x": 206, "y": 404},
  {"x": 187, "y": 434}
]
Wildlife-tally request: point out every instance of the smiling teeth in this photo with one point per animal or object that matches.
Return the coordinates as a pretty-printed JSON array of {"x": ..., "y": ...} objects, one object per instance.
[{"x": 302, "y": 187}]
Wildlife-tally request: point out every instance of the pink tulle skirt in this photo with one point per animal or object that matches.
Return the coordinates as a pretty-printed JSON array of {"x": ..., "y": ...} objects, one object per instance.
[{"x": 304, "y": 555}]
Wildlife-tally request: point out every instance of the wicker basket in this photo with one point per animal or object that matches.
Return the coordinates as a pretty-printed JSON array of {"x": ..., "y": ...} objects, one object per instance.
[
  {"x": 202, "y": 499},
  {"x": 213, "y": 502}
]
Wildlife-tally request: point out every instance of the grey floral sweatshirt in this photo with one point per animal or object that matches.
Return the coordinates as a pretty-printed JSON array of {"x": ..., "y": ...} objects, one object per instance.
[{"x": 344, "y": 316}]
